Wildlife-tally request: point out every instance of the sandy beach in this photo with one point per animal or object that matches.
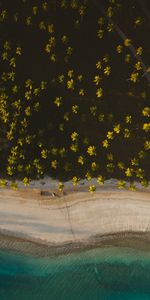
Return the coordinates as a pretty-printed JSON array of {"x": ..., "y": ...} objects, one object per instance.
[{"x": 75, "y": 217}]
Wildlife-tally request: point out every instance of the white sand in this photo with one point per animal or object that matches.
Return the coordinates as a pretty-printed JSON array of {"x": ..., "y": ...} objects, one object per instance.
[{"x": 76, "y": 216}]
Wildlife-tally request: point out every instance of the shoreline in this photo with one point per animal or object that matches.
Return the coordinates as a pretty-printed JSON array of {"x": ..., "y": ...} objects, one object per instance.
[
  {"x": 24, "y": 246},
  {"x": 76, "y": 220}
]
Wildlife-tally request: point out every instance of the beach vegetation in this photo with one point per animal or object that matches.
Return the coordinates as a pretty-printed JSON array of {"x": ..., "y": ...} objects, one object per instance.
[{"x": 74, "y": 92}]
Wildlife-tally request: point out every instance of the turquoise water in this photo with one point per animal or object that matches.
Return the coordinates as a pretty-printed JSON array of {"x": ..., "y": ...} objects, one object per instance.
[{"x": 108, "y": 273}]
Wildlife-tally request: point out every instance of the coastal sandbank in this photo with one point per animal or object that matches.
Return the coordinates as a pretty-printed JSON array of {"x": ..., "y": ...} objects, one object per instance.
[{"x": 75, "y": 217}]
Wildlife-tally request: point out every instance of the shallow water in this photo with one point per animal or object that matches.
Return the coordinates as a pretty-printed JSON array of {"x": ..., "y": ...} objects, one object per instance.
[{"x": 108, "y": 273}]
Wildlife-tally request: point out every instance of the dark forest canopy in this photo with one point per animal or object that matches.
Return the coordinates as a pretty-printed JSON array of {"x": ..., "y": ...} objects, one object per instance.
[{"x": 74, "y": 90}]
